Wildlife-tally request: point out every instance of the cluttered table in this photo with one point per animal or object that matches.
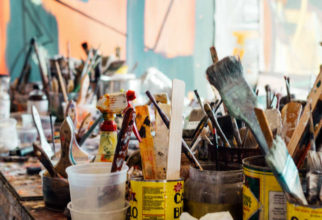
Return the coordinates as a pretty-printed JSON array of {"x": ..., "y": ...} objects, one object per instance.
[
  {"x": 21, "y": 195},
  {"x": 107, "y": 157}
]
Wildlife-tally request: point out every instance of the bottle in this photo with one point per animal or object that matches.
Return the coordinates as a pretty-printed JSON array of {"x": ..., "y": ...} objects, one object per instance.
[
  {"x": 37, "y": 98},
  {"x": 4, "y": 97}
]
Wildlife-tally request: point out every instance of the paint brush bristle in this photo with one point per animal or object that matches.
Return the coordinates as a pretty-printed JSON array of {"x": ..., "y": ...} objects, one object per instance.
[{"x": 227, "y": 76}]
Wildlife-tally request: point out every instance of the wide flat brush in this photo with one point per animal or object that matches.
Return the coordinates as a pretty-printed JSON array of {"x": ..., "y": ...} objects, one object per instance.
[
  {"x": 227, "y": 77},
  {"x": 280, "y": 161}
]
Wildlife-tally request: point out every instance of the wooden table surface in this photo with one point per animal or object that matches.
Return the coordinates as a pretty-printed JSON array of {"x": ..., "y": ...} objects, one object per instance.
[{"x": 21, "y": 194}]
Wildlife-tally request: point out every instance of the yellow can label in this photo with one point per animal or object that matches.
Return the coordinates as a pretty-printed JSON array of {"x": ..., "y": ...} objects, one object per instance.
[
  {"x": 262, "y": 196},
  {"x": 296, "y": 212},
  {"x": 156, "y": 200}
]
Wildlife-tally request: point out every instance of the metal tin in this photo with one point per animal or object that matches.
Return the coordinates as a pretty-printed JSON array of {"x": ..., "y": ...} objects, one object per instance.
[
  {"x": 301, "y": 212},
  {"x": 156, "y": 199},
  {"x": 263, "y": 197}
]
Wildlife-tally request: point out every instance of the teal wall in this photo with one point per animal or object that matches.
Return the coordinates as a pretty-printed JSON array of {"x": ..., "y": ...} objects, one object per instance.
[
  {"x": 28, "y": 20},
  {"x": 192, "y": 68}
]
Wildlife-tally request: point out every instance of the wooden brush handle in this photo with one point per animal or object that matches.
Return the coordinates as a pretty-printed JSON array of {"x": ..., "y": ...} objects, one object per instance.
[
  {"x": 263, "y": 122},
  {"x": 312, "y": 100},
  {"x": 84, "y": 126},
  {"x": 66, "y": 139},
  {"x": 44, "y": 78},
  {"x": 203, "y": 122},
  {"x": 123, "y": 140},
  {"x": 214, "y": 55},
  {"x": 61, "y": 82},
  {"x": 71, "y": 111},
  {"x": 186, "y": 150},
  {"x": 43, "y": 158}
]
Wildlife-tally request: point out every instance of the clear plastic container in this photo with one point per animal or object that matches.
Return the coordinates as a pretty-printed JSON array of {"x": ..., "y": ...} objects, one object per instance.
[
  {"x": 117, "y": 214},
  {"x": 214, "y": 190},
  {"x": 94, "y": 188},
  {"x": 8, "y": 134}
]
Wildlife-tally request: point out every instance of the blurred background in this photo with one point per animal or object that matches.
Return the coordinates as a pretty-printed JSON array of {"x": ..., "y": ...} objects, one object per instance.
[{"x": 272, "y": 37}]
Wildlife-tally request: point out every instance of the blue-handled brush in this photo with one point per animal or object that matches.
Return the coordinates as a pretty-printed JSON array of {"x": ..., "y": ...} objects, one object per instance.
[{"x": 227, "y": 76}]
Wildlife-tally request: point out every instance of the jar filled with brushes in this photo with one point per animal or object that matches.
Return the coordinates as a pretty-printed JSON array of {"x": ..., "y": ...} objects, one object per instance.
[{"x": 214, "y": 189}]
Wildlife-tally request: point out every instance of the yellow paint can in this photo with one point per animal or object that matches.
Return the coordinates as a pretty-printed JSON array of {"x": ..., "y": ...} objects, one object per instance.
[
  {"x": 299, "y": 212},
  {"x": 263, "y": 197},
  {"x": 156, "y": 199}
]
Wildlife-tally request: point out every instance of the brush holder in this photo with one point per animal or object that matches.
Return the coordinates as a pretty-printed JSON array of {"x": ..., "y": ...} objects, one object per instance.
[
  {"x": 214, "y": 189},
  {"x": 94, "y": 188},
  {"x": 55, "y": 191}
]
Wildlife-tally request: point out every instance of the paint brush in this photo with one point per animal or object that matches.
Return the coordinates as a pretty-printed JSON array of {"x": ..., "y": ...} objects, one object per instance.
[
  {"x": 280, "y": 161},
  {"x": 61, "y": 82},
  {"x": 146, "y": 145},
  {"x": 66, "y": 142},
  {"x": 90, "y": 130},
  {"x": 44, "y": 78},
  {"x": 215, "y": 123},
  {"x": 227, "y": 77},
  {"x": 186, "y": 150},
  {"x": 213, "y": 54},
  {"x": 84, "y": 126},
  {"x": 43, "y": 140},
  {"x": 123, "y": 140},
  {"x": 268, "y": 96},
  {"x": 202, "y": 123},
  {"x": 52, "y": 131},
  {"x": 287, "y": 84},
  {"x": 236, "y": 131},
  {"x": 43, "y": 158}
]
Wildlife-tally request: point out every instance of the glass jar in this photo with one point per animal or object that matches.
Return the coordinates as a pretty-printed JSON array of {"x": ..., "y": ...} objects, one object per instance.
[
  {"x": 214, "y": 190},
  {"x": 37, "y": 98}
]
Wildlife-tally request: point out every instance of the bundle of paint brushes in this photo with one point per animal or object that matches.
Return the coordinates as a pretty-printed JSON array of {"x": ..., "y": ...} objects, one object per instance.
[{"x": 293, "y": 138}]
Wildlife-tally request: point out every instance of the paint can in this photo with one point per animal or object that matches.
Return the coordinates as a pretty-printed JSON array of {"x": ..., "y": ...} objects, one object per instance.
[
  {"x": 263, "y": 197},
  {"x": 303, "y": 212},
  {"x": 156, "y": 199}
]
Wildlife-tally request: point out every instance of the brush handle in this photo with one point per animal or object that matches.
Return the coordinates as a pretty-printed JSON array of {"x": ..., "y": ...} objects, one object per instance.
[
  {"x": 71, "y": 111},
  {"x": 90, "y": 130},
  {"x": 44, "y": 78},
  {"x": 313, "y": 98},
  {"x": 263, "y": 122},
  {"x": 186, "y": 150},
  {"x": 61, "y": 82},
  {"x": 66, "y": 139},
  {"x": 123, "y": 140},
  {"x": 43, "y": 158},
  {"x": 43, "y": 140},
  {"x": 84, "y": 126},
  {"x": 214, "y": 55},
  {"x": 213, "y": 119},
  {"x": 203, "y": 122},
  {"x": 236, "y": 131}
]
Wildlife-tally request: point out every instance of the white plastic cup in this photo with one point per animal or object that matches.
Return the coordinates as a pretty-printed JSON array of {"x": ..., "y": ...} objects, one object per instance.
[
  {"x": 118, "y": 214},
  {"x": 94, "y": 188}
]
